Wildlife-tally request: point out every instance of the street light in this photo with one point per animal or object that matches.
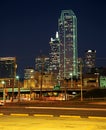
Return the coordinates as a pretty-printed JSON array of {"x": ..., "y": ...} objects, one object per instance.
[
  {"x": 42, "y": 71},
  {"x": 71, "y": 80},
  {"x": 81, "y": 81},
  {"x": 4, "y": 91},
  {"x": 66, "y": 85},
  {"x": 17, "y": 78}
]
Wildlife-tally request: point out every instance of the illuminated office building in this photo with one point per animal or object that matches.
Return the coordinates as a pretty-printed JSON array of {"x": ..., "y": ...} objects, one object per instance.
[
  {"x": 42, "y": 64},
  {"x": 29, "y": 78},
  {"x": 29, "y": 73},
  {"x": 67, "y": 28},
  {"x": 54, "y": 54}
]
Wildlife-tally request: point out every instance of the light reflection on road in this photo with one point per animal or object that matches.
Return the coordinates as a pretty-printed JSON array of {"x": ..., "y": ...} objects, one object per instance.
[
  {"x": 67, "y": 108},
  {"x": 51, "y": 123}
]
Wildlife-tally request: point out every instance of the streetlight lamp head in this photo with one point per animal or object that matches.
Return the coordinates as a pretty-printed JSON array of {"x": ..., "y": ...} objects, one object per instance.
[
  {"x": 17, "y": 77},
  {"x": 3, "y": 82}
]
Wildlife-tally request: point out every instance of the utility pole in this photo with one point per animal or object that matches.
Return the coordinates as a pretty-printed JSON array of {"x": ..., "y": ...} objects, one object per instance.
[
  {"x": 81, "y": 81},
  {"x": 66, "y": 85},
  {"x": 42, "y": 71},
  {"x": 17, "y": 78},
  {"x": 4, "y": 91}
]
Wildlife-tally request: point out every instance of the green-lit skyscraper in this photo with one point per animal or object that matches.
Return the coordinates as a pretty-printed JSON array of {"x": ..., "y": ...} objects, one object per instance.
[{"x": 67, "y": 29}]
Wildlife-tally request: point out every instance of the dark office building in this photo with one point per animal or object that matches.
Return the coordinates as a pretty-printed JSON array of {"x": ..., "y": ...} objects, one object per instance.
[
  {"x": 7, "y": 67},
  {"x": 90, "y": 57}
]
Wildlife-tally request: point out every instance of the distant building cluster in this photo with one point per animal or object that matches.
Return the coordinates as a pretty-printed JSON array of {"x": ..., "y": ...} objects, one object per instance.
[{"x": 61, "y": 69}]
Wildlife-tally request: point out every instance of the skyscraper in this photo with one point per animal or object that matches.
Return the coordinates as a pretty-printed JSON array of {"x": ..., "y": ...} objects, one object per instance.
[
  {"x": 54, "y": 54},
  {"x": 67, "y": 28}
]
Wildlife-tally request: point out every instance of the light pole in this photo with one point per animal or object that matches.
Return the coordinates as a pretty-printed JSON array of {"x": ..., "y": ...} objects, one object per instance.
[
  {"x": 17, "y": 78},
  {"x": 4, "y": 91},
  {"x": 66, "y": 85},
  {"x": 41, "y": 85},
  {"x": 42, "y": 71},
  {"x": 81, "y": 81},
  {"x": 71, "y": 80}
]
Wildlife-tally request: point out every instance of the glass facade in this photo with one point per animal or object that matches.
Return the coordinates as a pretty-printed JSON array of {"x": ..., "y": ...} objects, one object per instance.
[
  {"x": 29, "y": 73},
  {"x": 67, "y": 27},
  {"x": 42, "y": 64},
  {"x": 7, "y": 67},
  {"x": 54, "y": 54}
]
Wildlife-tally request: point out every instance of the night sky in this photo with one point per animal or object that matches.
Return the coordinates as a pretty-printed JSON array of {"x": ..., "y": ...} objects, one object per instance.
[{"x": 26, "y": 27}]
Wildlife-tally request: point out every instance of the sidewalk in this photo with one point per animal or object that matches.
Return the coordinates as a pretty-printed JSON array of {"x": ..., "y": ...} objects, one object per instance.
[{"x": 55, "y": 103}]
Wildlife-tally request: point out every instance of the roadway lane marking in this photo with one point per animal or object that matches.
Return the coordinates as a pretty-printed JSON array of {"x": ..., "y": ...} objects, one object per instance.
[
  {"x": 70, "y": 116},
  {"x": 96, "y": 117},
  {"x": 44, "y": 115},
  {"x": 62, "y": 116},
  {"x": 67, "y": 108},
  {"x": 19, "y": 114},
  {"x": 1, "y": 114}
]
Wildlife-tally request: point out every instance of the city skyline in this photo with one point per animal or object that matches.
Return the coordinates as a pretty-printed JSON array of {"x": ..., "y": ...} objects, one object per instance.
[{"x": 26, "y": 28}]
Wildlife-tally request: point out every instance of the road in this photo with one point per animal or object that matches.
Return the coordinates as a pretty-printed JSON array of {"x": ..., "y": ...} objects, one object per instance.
[
  {"x": 51, "y": 123},
  {"x": 82, "y": 110}
]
